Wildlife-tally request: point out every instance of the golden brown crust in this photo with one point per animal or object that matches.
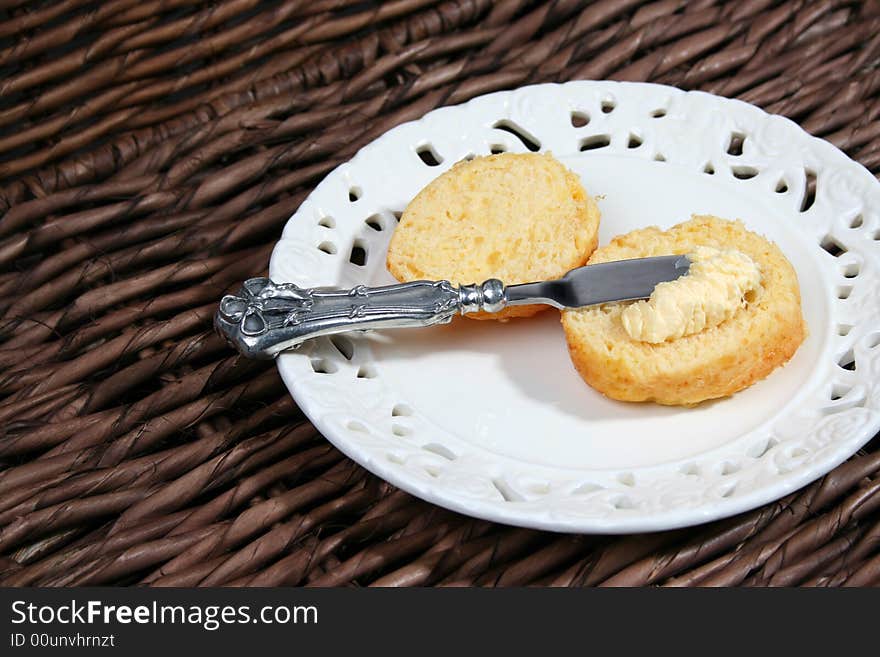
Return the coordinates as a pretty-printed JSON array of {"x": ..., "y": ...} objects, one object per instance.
[
  {"x": 516, "y": 217},
  {"x": 713, "y": 363}
]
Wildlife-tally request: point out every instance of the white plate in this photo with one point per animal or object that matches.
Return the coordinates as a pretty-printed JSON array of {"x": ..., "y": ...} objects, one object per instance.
[{"x": 491, "y": 419}]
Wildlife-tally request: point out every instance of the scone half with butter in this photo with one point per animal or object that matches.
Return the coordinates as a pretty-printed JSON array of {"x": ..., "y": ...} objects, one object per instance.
[
  {"x": 515, "y": 217},
  {"x": 733, "y": 319}
]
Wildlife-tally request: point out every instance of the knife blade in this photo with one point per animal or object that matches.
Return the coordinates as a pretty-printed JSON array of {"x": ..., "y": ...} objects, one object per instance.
[{"x": 621, "y": 280}]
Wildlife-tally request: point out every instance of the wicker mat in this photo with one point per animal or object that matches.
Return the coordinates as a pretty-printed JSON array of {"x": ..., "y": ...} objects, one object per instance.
[{"x": 151, "y": 151}]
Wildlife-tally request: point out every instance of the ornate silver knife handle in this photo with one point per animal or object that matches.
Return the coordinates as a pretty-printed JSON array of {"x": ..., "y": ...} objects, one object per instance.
[{"x": 265, "y": 318}]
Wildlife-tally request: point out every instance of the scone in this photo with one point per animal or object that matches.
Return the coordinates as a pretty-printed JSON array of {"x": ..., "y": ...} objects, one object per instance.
[
  {"x": 760, "y": 334},
  {"x": 518, "y": 218}
]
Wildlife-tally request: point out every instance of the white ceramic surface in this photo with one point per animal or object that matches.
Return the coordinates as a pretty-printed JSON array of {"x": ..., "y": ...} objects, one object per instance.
[{"x": 492, "y": 420}]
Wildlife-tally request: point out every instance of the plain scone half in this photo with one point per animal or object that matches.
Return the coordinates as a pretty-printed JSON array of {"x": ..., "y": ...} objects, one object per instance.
[
  {"x": 515, "y": 217},
  {"x": 715, "y": 362}
]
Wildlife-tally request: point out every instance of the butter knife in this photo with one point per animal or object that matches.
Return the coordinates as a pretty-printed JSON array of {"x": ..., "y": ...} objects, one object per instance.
[{"x": 266, "y": 318}]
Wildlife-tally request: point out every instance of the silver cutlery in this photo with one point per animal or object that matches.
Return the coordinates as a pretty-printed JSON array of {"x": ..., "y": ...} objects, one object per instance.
[{"x": 266, "y": 318}]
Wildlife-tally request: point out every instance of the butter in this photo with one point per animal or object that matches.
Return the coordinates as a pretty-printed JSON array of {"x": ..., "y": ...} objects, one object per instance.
[{"x": 711, "y": 292}]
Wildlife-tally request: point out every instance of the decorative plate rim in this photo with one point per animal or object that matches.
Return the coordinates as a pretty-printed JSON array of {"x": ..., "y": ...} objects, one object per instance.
[{"x": 859, "y": 421}]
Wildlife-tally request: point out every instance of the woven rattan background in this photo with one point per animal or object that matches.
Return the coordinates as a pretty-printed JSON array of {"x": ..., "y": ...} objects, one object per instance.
[{"x": 150, "y": 152}]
